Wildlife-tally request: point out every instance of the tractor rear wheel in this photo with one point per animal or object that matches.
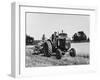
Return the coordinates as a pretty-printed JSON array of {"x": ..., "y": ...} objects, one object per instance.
[
  {"x": 58, "y": 54},
  {"x": 47, "y": 48},
  {"x": 72, "y": 52}
]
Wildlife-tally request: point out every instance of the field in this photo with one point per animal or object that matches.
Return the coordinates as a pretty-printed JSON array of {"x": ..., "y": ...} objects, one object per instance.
[{"x": 82, "y": 57}]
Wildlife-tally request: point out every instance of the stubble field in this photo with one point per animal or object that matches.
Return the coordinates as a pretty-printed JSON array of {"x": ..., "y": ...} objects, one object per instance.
[{"x": 82, "y": 57}]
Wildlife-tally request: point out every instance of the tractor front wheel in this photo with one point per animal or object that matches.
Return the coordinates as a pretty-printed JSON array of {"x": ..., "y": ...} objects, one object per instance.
[
  {"x": 58, "y": 54},
  {"x": 72, "y": 52}
]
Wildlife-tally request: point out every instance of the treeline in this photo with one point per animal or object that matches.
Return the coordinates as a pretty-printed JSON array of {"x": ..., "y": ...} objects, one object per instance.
[
  {"x": 76, "y": 38},
  {"x": 80, "y": 37},
  {"x": 30, "y": 40}
]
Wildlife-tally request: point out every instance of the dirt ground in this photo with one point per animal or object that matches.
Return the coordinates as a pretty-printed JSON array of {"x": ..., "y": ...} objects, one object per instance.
[{"x": 40, "y": 60}]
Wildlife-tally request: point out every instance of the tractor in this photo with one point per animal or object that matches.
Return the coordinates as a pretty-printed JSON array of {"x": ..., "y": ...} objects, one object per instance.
[{"x": 57, "y": 46}]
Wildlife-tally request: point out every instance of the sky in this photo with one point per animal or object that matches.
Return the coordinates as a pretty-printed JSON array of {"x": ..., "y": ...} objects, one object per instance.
[{"x": 38, "y": 24}]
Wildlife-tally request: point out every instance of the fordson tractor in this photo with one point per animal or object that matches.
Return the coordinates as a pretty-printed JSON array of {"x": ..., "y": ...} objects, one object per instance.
[{"x": 58, "y": 46}]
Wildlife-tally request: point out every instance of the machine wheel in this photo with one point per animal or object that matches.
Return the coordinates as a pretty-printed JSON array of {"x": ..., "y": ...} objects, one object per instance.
[
  {"x": 47, "y": 48},
  {"x": 58, "y": 54},
  {"x": 72, "y": 52}
]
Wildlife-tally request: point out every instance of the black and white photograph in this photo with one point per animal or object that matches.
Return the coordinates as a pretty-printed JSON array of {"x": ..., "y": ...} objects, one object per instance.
[{"x": 56, "y": 39}]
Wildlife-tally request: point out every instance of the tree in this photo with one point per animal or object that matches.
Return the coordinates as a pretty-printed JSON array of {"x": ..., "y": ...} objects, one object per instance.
[
  {"x": 79, "y": 36},
  {"x": 43, "y": 37},
  {"x": 88, "y": 39},
  {"x": 29, "y": 40}
]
